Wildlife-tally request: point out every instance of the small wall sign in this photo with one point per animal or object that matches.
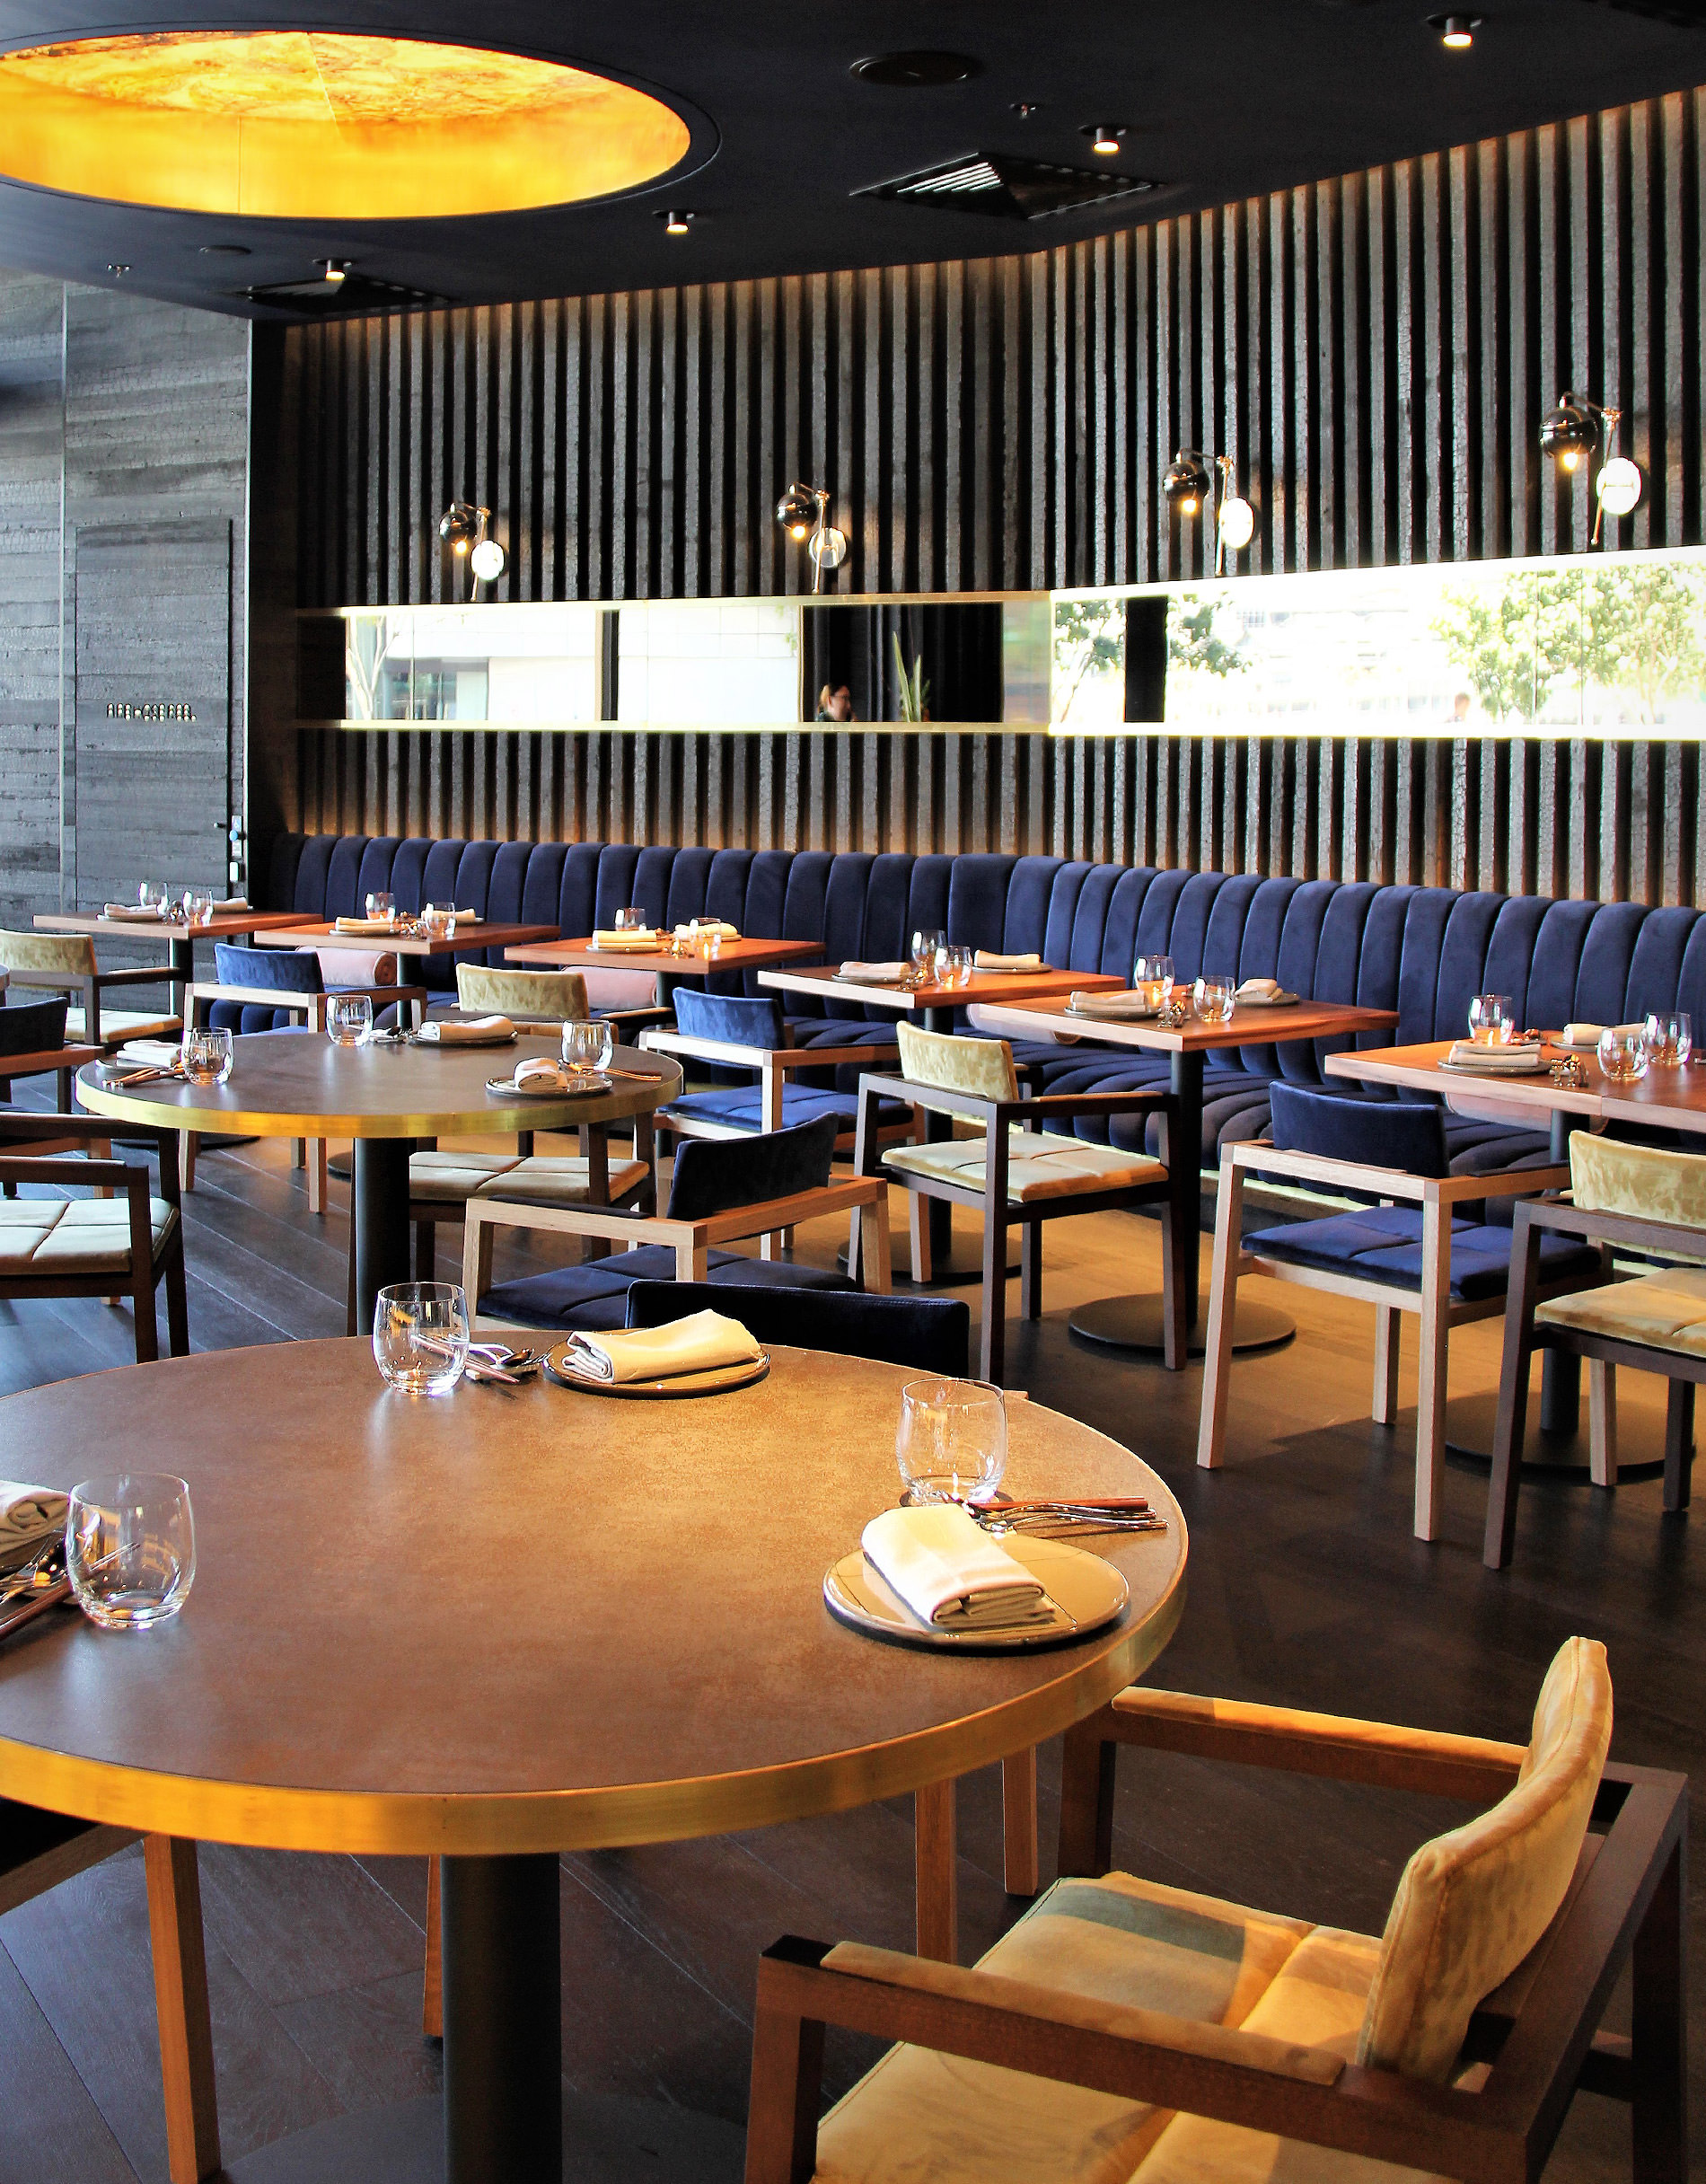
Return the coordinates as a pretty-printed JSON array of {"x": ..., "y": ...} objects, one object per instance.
[{"x": 151, "y": 711}]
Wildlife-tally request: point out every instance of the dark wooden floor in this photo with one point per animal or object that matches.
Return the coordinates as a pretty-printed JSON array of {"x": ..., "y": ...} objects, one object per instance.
[{"x": 1306, "y": 1588}]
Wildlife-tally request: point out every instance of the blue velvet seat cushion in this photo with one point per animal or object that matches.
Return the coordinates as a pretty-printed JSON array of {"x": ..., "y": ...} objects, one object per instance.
[
  {"x": 741, "y": 1107},
  {"x": 595, "y": 1296},
  {"x": 1384, "y": 1243}
]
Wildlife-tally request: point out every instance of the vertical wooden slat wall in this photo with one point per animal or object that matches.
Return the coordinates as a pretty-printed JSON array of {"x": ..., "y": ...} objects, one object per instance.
[{"x": 1375, "y": 351}]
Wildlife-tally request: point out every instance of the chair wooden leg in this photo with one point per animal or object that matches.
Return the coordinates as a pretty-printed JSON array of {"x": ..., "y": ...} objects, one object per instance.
[
  {"x": 1659, "y": 2047},
  {"x": 1602, "y": 1422},
  {"x": 180, "y": 1995},
  {"x": 868, "y": 1247},
  {"x": 1086, "y": 1801},
  {"x": 917, "y": 1235},
  {"x": 1222, "y": 1300},
  {"x": 425, "y": 1251},
  {"x": 188, "y": 1142},
  {"x": 1022, "y": 1870},
  {"x": 318, "y": 1178},
  {"x": 936, "y": 1860},
  {"x": 1388, "y": 1337},
  {"x": 992, "y": 1336},
  {"x": 432, "y": 1992},
  {"x": 142, "y": 1305},
  {"x": 177, "y": 1302},
  {"x": 1031, "y": 1269},
  {"x": 350, "y": 1280},
  {"x": 1679, "y": 1444},
  {"x": 1430, "y": 1391},
  {"x": 784, "y": 2095}
]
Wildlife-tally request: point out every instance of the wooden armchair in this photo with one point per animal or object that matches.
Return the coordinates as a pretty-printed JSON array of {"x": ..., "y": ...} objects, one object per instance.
[
  {"x": 1647, "y": 1200},
  {"x": 1200, "y": 2032},
  {"x": 66, "y": 962},
  {"x": 93, "y": 1248},
  {"x": 1408, "y": 1254},
  {"x": 1015, "y": 1172}
]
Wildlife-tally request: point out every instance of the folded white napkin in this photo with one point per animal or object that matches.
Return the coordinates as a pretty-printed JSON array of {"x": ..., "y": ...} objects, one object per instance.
[
  {"x": 874, "y": 974},
  {"x": 719, "y": 925},
  {"x": 1588, "y": 1034},
  {"x": 1515, "y": 1060},
  {"x": 951, "y": 1573},
  {"x": 698, "y": 1344},
  {"x": 230, "y": 905},
  {"x": 1264, "y": 990},
  {"x": 30, "y": 1515},
  {"x": 150, "y": 1053},
  {"x": 986, "y": 959},
  {"x": 1110, "y": 1004},
  {"x": 473, "y": 1031},
  {"x": 542, "y": 1074},
  {"x": 644, "y": 941},
  {"x": 151, "y": 915},
  {"x": 364, "y": 925}
]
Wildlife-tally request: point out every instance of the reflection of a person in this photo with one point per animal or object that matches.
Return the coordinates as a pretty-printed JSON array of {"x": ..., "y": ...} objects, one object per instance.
[
  {"x": 835, "y": 704},
  {"x": 1460, "y": 706}
]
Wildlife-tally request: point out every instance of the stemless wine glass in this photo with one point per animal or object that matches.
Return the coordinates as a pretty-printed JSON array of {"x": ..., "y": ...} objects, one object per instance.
[
  {"x": 1622, "y": 1053},
  {"x": 151, "y": 895},
  {"x": 206, "y": 1055},
  {"x": 439, "y": 920},
  {"x": 1670, "y": 1038},
  {"x": 130, "y": 1548},
  {"x": 381, "y": 905},
  {"x": 350, "y": 1019},
  {"x": 632, "y": 920},
  {"x": 926, "y": 943},
  {"x": 951, "y": 1443},
  {"x": 1212, "y": 998},
  {"x": 420, "y": 1335},
  {"x": 1492, "y": 1022},
  {"x": 953, "y": 964},
  {"x": 1152, "y": 977},
  {"x": 198, "y": 903},
  {"x": 588, "y": 1045}
]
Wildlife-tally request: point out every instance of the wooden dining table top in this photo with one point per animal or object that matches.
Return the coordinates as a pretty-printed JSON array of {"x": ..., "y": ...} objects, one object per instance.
[
  {"x": 984, "y": 987},
  {"x": 1249, "y": 1026},
  {"x": 297, "y": 1084},
  {"x": 471, "y": 935},
  {"x": 528, "y": 1619},
  {"x": 1663, "y": 1098},
  {"x": 581, "y": 955},
  {"x": 225, "y": 925}
]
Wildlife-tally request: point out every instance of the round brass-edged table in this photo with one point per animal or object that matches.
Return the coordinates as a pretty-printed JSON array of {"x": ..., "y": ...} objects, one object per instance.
[
  {"x": 505, "y": 1624},
  {"x": 296, "y": 1084}
]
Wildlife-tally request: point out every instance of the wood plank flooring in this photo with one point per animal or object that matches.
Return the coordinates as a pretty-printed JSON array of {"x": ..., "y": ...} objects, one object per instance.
[{"x": 1306, "y": 1588}]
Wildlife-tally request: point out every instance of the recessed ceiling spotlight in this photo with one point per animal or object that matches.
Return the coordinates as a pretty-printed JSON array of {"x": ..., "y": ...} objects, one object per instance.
[
  {"x": 1105, "y": 136},
  {"x": 1026, "y": 107},
  {"x": 333, "y": 270},
  {"x": 1457, "y": 32},
  {"x": 676, "y": 222},
  {"x": 923, "y": 69}
]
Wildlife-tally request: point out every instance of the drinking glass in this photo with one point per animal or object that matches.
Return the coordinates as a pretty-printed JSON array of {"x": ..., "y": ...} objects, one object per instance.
[
  {"x": 1152, "y": 977},
  {"x": 953, "y": 964},
  {"x": 151, "y": 895},
  {"x": 1622, "y": 1053},
  {"x": 206, "y": 1055},
  {"x": 381, "y": 905},
  {"x": 1491, "y": 1020},
  {"x": 951, "y": 1443},
  {"x": 439, "y": 920},
  {"x": 130, "y": 1548},
  {"x": 927, "y": 945},
  {"x": 198, "y": 903},
  {"x": 350, "y": 1019},
  {"x": 632, "y": 920},
  {"x": 420, "y": 1335},
  {"x": 1213, "y": 998},
  {"x": 587, "y": 1045},
  {"x": 1670, "y": 1038}
]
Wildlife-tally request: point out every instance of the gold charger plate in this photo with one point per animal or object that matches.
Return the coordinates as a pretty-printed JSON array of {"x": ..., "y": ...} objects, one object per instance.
[
  {"x": 1087, "y": 1593},
  {"x": 502, "y": 1087},
  {"x": 717, "y": 1381}
]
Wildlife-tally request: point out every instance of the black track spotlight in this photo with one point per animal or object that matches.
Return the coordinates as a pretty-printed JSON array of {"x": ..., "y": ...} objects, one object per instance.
[
  {"x": 796, "y": 511},
  {"x": 1186, "y": 482},
  {"x": 1106, "y": 137},
  {"x": 1570, "y": 432},
  {"x": 1457, "y": 32}
]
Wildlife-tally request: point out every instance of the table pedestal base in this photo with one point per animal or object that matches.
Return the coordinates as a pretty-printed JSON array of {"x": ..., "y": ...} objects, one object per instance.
[
  {"x": 944, "y": 1275},
  {"x": 607, "y": 2140},
  {"x": 1134, "y": 1323},
  {"x": 1470, "y": 1421},
  {"x": 382, "y": 1220}
]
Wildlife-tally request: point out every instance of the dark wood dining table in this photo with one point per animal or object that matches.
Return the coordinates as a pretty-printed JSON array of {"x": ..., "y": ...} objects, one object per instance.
[{"x": 509, "y": 1623}]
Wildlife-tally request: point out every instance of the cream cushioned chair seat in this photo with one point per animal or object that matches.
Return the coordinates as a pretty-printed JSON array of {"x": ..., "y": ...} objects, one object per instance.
[
  {"x": 118, "y": 1024},
  {"x": 1040, "y": 1165},
  {"x": 549, "y": 1180},
  {"x": 1666, "y": 1311},
  {"x": 77, "y": 1235}
]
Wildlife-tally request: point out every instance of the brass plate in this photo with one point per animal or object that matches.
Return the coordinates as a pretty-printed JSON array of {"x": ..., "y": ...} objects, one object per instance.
[
  {"x": 501, "y": 1089},
  {"x": 718, "y": 1380},
  {"x": 1089, "y": 1592}
]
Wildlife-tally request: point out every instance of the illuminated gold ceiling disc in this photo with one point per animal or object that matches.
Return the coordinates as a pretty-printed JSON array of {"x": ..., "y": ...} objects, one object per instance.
[{"x": 294, "y": 125}]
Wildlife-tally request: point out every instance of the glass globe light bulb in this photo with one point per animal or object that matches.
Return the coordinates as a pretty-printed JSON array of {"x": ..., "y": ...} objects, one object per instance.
[
  {"x": 487, "y": 560},
  {"x": 1618, "y": 486},
  {"x": 1237, "y": 523}
]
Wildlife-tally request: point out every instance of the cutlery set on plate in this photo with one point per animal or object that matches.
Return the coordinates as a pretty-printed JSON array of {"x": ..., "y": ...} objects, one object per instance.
[
  {"x": 1102, "y": 1513},
  {"x": 34, "y": 1587}
]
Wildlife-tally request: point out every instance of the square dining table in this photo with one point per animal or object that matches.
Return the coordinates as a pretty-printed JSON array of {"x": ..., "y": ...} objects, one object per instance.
[
  {"x": 583, "y": 954},
  {"x": 471, "y": 934},
  {"x": 1135, "y": 1323},
  {"x": 181, "y": 935}
]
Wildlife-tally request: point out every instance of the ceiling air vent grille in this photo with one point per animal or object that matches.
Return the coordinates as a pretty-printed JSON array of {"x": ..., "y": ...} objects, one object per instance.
[
  {"x": 1008, "y": 188},
  {"x": 355, "y": 292}
]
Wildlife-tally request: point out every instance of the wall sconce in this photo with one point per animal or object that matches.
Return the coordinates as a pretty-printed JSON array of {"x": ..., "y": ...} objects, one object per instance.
[
  {"x": 1187, "y": 485},
  {"x": 1571, "y": 433},
  {"x": 462, "y": 527},
  {"x": 803, "y": 513}
]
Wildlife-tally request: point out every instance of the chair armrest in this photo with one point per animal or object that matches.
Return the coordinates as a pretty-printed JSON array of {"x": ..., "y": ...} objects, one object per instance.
[
  {"x": 788, "y": 1058},
  {"x": 99, "y": 1128},
  {"x": 969, "y": 1103},
  {"x": 707, "y": 1049},
  {"x": 1517, "y": 1184},
  {"x": 1040, "y": 1107},
  {"x": 1337, "y": 1747},
  {"x": 143, "y": 974},
  {"x": 1315, "y": 1168},
  {"x": 654, "y": 1013},
  {"x": 773, "y": 1213},
  {"x": 1589, "y": 1222},
  {"x": 70, "y": 1168},
  {"x": 259, "y": 997}
]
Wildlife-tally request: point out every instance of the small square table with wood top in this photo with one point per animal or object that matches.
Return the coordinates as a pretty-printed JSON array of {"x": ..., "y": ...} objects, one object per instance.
[
  {"x": 180, "y": 935},
  {"x": 471, "y": 936},
  {"x": 1134, "y": 1323},
  {"x": 743, "y": 955}
]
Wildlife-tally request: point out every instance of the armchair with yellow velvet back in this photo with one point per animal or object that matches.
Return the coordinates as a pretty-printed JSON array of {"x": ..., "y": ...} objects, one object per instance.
[{"x": 1126, "y": 2030}]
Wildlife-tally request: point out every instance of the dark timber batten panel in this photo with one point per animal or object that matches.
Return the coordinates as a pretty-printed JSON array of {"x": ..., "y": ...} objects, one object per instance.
[{"x": 1375, "y": 351}]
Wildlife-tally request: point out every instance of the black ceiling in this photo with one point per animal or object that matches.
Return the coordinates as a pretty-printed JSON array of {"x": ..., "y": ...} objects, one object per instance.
[{"x": 1219, "y": 99}]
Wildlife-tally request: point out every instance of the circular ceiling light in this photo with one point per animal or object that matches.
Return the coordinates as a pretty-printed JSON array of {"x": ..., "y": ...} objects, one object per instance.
[
  {"x": 1105, "y": 136},
  {"x": 1457, "y": 32},
  {"x": 924, "y": 69},
  {"x": 676, "y": 222},
  {"x": 321, "y": 124}
]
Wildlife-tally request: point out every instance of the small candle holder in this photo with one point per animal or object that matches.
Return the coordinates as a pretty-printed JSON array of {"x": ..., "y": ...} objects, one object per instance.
[{"x": 1569, "y": 1073}]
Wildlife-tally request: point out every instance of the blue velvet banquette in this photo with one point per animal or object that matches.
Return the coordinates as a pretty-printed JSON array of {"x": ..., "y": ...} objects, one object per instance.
[{"x": 1423, "y": 951}]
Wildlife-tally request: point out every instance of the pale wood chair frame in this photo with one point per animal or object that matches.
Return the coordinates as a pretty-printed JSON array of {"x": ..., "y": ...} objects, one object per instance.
[
  {"x": 997, "y": 1116},
  {"x": 1539, "y": 2031},
  {"x": 310, "y": 1152},
  {"x": 147, "y": 1272},
  {"x": 38, "y": 1851},
  {"x": 1605, "y": 1354},
  {"x": 1430, "y": 1301},
  {"x": 865, "y": 1200},
  {"x": 87, "y": 988}
]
